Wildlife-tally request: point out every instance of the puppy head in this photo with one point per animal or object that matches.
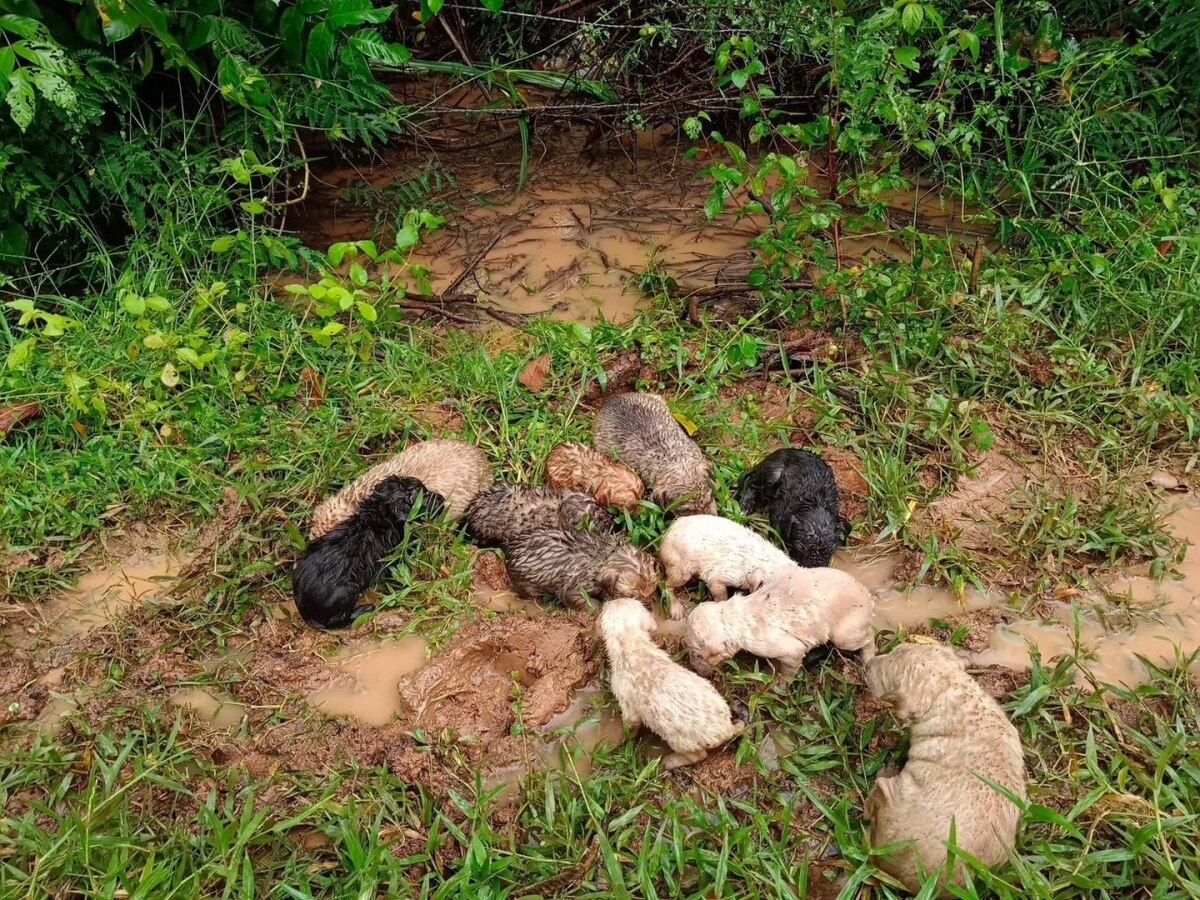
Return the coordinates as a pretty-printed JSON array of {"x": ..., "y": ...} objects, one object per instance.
[
  {"x": 705, "y": 638},
  {"x": 398, "y": 495},
  {"x": 623, "y": 615},
  {"x": 685, "y": 489},
  {"x": 619, "y": 487},
  {"x": 812, "y": 537},
  {"x": 912, "y": 677},
  {"x": 629, "y": 572}
]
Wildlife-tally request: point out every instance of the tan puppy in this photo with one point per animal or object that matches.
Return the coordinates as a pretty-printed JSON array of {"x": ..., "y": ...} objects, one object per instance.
[
  {"x": 454, "y": 469},
  {"x": 723, "y": 554},
  {"x": 577, "y": 467},
  {"x": 794, "y": 611},
  {"x": 960, "y": 736},
  {"x": 653, "y": 690}
]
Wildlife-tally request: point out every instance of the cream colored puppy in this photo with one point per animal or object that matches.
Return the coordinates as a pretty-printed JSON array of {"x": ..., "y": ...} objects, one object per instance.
[
  {"x": 724, "y": 555},
  {"x": 794, "y": 611},
  {"x": 653, "y": 690},
  {"x": 961, "y": 739}
]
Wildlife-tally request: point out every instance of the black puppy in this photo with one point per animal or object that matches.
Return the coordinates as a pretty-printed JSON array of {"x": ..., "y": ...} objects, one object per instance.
[
  {"x": 339, "y": 566},
  {"x": 798, "y": 490}
]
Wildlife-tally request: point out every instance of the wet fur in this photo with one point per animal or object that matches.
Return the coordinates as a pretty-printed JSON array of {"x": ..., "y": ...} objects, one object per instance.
[
  {"x": 794, "y": 611},
  {"x": 339, "y": 566},
  {"x": 504, "y": 512},
  {"x": 959, "y": 736},
  {"x": 573, "y": 565},
  {"x": 800, "y": 495},
  {"x": 724, "y": 555},
  {"x": 454, "y": 469},
  {"x": 579, "y": 467},
  {"x": 640, "y": 430},
  {"x": 653, "y": 690}
]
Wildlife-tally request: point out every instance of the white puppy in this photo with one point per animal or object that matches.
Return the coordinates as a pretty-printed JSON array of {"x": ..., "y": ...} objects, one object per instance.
[
  {"x": 794, "y": 611},
  {"x": 653, "y": 690},
  {"x": 723, "y": 554}
]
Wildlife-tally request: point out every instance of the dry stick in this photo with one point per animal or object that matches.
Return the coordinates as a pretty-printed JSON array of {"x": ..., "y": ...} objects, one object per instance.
[
  {"x": 741, "y": 287},
  {"x": 462, "y": 51},
  {"x": 474, "y": 263},
  {"x": 976, "y": 262},
  {"x": 832, "y": 172},
  {"x": 304, "y": 190}
]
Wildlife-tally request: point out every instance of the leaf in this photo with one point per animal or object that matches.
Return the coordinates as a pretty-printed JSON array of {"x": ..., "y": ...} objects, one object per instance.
[
  {"x": 925, "y": 146},
  {"x": 739, "y": 78},
  {"x": 493, "y": 5},
  {"x": 254, "y": 207},
  {"x": 912, "y": 17},
  {"x": 369, "y": 248},
  {"x": 158, "y": 304},
  {"x": 291, "y": 30},
  {"x": 223, "y": 244},
  {"x": 17, "y": 414},
  {"x": 337, "y": 253},
  {"x": 970, "y": 41},
  {"x": 154, "y": 341},
  {"x": 714, "y": 205},
  {"x": 375, "y": 48},
  {"x": 434, "y": 6},
  {"x": 358, "y": 274},
  {"x": 54, "y": 325},
  {"x": 311, "y": 390},
  {"x": 20, "y": 98},
  {"x": 169, "y": 375},
  {"x": 907, "y": 57},
  {"x": 20, "y": 354},
  {"x": 367, "y": 311},
  {"x": 189, "y": 356},
  {"x": 688, "y": 425},
  {"x": 320, "y": 49},
  {"x": 14, "y": 239},
  {"x": 332, "y": 328},
  {"x": 357, "y": 12},
  {"x": 407, "y": 237},
  {"x": 533, "y": 376},
  {"x": 134, "y": 304}
]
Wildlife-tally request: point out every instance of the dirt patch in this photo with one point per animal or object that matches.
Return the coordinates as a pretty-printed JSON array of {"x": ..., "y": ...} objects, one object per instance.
[
  {"x": 971, "y": 512},
  {"x": 621, "y": 372},
  {"x": 499, "y": 672},
  {"x": 719, "y": 774},
  {"x": 758, "y": 399},
  {"x": 489, "y": 571},
  {"x": 998, "y": 681},
  {"x": 852, "y": 486}
]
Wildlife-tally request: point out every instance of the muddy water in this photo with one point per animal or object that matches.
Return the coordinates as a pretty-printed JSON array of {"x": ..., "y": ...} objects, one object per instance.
[
  {"x": 219, "y": 712},
  {"x": 1132, "y": 616},
  {"x": 572, "y": 242},
  {"x": 369, "y": 673},
  {"x": 100, "y": 597}
]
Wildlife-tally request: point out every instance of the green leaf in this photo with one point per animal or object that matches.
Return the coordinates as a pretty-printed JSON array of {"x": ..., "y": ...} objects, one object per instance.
[
  {"x": 407, "y": 237},
  {"x": 911, "y": 17},
  {"x": 158, "y": 304},
  {"x": 373, "y": 47},
  {"x": 907, "y": 56},
  {"x": 493, "y": 5},
  {"x": 714, "y": 206},
  {"x": 254, "y": 207},
  {"x": 223, "y": 244},
  {"x": 54, "y": 325},
  {"x": 20, "y": 98},
  {"x": 189, "y": 356},
  {"x": 367, "y": 311},
  {"x": 154, "y": 341},
  {"x": 357, "y": 12},
  {"x": 320, "y": 49},
  {"x": 337, "y": 253},
  {"x": 14, "y": 240},
  {"x": 739, "y": 78},
  {"x": 358, "y": 274},
  {"x": 134, "y": 304},
  {"x": 291, "y": 31},
  {"x": 369, "y": 248},
  {"x": 927, "y": 147},
  {"x": 435, "y": 6},
  {"x": 20, "y": 354},
  {"x": 169, "y": 375},
  {"x": 970, "y": 41},
  {"x": 332, "y": 328}
]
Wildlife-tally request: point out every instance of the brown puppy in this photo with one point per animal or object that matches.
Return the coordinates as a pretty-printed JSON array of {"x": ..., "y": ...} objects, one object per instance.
[
  {"x": 578, "y": 467},
  {"x": 504, "y": 512},
  {"x": 572, "y": 565}
]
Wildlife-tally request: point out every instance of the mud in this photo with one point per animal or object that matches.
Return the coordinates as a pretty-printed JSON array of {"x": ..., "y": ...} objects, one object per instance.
[
  {"x": 370, "y": 672},
  {"x": 574, "y": 241}
]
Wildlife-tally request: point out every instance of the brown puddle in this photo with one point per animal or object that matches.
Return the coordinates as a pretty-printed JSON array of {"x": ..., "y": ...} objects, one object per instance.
[
  {"x": 1158, "y": 620},
  {"x": 366, "y": 687},
  {"x": 218, "y": 712},
  {"x": 572, "y": 242},
  {"x": 100, "y": 597}
]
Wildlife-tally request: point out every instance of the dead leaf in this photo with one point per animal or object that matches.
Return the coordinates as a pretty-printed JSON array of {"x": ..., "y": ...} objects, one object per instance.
[
  {"x": 1046, "y": 55},
  {"x": 311, "y": 390},
  {"x": 1165, "y": 247},
  {"x": 534, "y": 375},
  {"x": 17, "y": 414}
]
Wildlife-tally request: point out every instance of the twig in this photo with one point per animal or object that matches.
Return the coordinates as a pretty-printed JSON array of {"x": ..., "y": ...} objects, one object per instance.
[
  {"x": 976, "y": 262},
  {"x": 741, "y": 287},
  {"x": 462, "y": 51},
  {"x": 475, "y": 261},
  {"x": 304, "y": 190}
]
